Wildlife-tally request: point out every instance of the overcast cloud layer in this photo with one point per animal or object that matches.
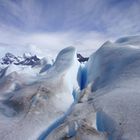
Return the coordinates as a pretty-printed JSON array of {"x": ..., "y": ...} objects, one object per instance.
[{"x": 46, "y": 26}]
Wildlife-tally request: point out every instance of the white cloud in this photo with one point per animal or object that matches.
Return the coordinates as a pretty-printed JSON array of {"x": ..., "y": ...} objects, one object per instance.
[
  {"x": 84, "y": 24},
  {"x": 45, "y": 44},
  {"x": 110, "y": 16}
]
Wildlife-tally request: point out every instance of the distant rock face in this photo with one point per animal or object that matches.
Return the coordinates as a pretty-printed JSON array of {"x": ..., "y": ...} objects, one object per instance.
[
  {"x": 29, "y": 61},
  {"x": 9, "y": 59},
  {"x": 81, "y": 58},
  {"x": 17, "y": 60}
]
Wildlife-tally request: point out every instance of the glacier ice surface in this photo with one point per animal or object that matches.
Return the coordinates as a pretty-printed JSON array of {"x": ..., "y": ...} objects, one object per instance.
[
  {"x": 27, "y": 112},
  {"x": 114, "y": 72},
  {"x": 67, "y": 100}
]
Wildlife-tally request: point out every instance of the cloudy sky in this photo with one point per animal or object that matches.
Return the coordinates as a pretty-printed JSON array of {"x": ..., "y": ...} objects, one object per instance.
[{"x": 46, "y": 26}]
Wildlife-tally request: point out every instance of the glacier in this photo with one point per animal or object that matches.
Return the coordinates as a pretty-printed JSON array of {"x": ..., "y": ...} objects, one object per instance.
[
  {"x": 97, "y": 99},
  {"x": 114, "y": 73},
  {"x": 26, "y": 112}
]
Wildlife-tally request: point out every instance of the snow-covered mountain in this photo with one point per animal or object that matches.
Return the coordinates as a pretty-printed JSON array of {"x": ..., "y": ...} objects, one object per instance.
[
  {"x": 65, "y": 99},
  {"x": 26, "y": 59},
  {"x": 9, "y": 59},
  {"x": 28, "y": 62}
]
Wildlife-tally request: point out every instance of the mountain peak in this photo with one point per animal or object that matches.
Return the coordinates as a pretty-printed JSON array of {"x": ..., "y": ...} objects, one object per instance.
[
  {"x": 26, "y": 59},
  {"x": 81, "y": 58},
  {"x": 9, "y": 58}
]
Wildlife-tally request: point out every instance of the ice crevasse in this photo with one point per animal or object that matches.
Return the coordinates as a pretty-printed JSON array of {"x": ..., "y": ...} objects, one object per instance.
[{"x": 112, "y": 101}]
